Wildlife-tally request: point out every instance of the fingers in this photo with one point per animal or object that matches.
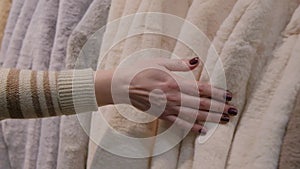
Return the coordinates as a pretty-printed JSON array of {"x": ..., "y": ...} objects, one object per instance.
[
  {"x": 191, "y": 115},
  {"x": 207, "y": 104},
  {"x": 179, "y": 64},
  {"x": 202, "y": 89},
  {"x": 207, "y": 90},
  {"x": 184, "y": 124}
]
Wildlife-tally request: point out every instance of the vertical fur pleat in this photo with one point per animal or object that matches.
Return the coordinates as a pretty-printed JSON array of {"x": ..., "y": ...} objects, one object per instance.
[
  {"x": 10, "y": 26},
  {"x": 42, "y": 29},
  {"x": 94, "y": 19},
  {"x": 4, "y": 11},
  {"x": 16, "y": 41},
  {"x": 69, "y": 14}
]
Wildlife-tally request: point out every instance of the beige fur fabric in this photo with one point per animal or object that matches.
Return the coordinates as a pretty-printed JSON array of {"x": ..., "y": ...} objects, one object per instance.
[
  {"x": 290, "y": 151},
  {"x": 289, "y": 156},
  {"x": 256, "y": 143},
  {"x": 121, "y": 51},
  {"x": 4, "y": 11},
  {"x": 244, "y": 55},
  {"x": 259, "y": 65},
  {"x": 134, "y": 44}
]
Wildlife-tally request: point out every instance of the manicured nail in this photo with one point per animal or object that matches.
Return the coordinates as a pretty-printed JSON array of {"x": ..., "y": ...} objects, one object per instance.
[
  {"x": 232, "y": 111},
  {"x": 225, "y": 119},
  {"x": 228, "y": 96},
  {"x": 194, "y": 61}
]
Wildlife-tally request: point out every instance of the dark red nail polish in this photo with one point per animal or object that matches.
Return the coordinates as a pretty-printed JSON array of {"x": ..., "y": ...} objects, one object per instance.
[
  {"x": 232, "y": 111},
  {"x": 194, "y": 61},
  {"x": 225, "y": 119},
  {"x": 228, "y": 96}
]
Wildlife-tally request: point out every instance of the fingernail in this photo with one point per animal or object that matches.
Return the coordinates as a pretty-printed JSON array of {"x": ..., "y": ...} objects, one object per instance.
[
  {"x": 232, "y": 111},
  {"x": 194, "y": 61},
  {"x": 225, "y": 119},
  {"x": 228, "y": 96},
  {"x": 202, "y": 132}
]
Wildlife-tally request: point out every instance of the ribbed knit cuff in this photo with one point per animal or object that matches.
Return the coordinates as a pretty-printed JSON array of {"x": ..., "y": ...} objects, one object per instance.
[{"x": 76, "y": 90}]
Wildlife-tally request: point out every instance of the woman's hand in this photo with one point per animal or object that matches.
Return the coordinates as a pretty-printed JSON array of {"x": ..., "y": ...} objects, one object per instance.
[{"x": 151, "y": 86}]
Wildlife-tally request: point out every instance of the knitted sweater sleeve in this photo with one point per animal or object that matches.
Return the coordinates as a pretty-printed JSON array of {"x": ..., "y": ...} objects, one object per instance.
[{"x": 34, "y": 94}]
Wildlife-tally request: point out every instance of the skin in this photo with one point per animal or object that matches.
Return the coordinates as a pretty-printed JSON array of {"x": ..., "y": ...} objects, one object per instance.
[{"x": 156, "y": 78}]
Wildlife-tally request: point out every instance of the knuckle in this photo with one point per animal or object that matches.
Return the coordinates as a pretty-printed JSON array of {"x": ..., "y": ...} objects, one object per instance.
[
  {"x": 204, "y": 103},
  {"x": 171, "y": 84},
  {"x": 173, "y": 97},
  {"x": 202, "y": 87}
]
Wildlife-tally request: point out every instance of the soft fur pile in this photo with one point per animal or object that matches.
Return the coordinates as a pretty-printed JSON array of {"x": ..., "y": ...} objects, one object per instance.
[
  {"x": 258, "y": 43},
  {"x": 260, "y": 69},
  {"x": 14, "y": 13},
  {"x": 290, "y": 152},
  {"x": 57, "y": 142},
  {"x": 4, "y": 11}
]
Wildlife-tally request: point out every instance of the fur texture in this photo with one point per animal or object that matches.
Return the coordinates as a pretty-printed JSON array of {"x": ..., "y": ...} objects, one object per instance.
[
  {"x": 45, "y": 143},
  {"x": 94, "y": 19},
  {"x": 290, "y": 152},
  {"x": 242, "y": 40},
  {"x": 42, "y": 29},
  {"x": 261, "y": 68},
  {"x": 10, "y": 26},
  {"x": 13, "y": 51},
  {"x": 4, "y": 11},
  {"x": 69, "y": 14},
  {"x": 289, "y": 157},
  {"x": 261, "y": 97}
]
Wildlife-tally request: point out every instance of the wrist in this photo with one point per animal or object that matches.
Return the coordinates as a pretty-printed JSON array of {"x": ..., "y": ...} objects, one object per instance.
[{"x": 103, "y": 81}]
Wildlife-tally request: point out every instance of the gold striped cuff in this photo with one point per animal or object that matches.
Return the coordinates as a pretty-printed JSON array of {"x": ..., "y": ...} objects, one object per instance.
[{"x": 76, "y": 91}]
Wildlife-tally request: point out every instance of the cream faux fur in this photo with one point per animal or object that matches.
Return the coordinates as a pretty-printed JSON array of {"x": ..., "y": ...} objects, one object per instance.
[
  {"x": 198, "y": 16},
  {"x": 263, "y": 108},
  {"x": 245, "y": 41},
  {"x": 289, "y": 156},
  {"x": 249, "y": 41},
  {"x": 168, "y": 159}
]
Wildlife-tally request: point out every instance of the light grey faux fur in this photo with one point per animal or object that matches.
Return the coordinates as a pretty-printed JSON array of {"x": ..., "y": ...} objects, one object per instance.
[
  {"x": 69, "y": 14},
  {"x": 57, "y": 142},
  {"x": 94, "y": 19},
  {"x": 16, "y": 41},
  {"x": 37, "y": 45},
  {"x": 4, "y": 157}
]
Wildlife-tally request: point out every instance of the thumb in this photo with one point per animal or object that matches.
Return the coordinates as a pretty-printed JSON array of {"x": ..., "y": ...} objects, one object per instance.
[{"x": 180, "y": 64}]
